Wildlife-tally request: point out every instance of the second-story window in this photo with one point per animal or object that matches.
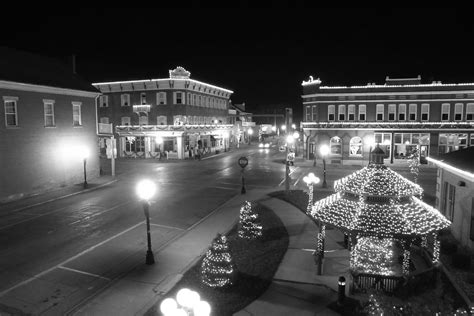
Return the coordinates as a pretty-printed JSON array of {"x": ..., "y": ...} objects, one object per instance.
[
  {"x": 362, "y": 112},
  {"x": 341, "y": 112},
  {"x": 445, "y": 112},
  {"x": 11, "y": 113},
  {"x": 76, "y": 114},
  {"x": 402, "y": 112},
  {"x": 314, "y": 113},
  {"x": 458, "y": 111},
  {"x": 392, "y": 108},
  {"x": 470, "y": 112},
  {"x": 412, "y": 108},
  {"x": 178, "y": 98},
  {"x": 308, "y": 113},
  {"x": 104, "y": 101},
  {"x": 189, "y": 99},
  {"x": 48, "y": 113},
  {"x": 425, "y": 112},
  {"x": 331, "y": 112},
  {"x": 125, "y": 120},
  {"x": 379, "y": 112},
  {"x": 125, "y": 99},
  {"x": 161, "y": 98},
  {"x": 143, "y": 98},
  {"x": 351, "y": 112}
]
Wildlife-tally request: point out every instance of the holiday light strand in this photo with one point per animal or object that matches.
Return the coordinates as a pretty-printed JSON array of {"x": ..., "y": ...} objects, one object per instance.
[
  {"x": 249, "y": 228},
  {"x": 217, "y": 268}
]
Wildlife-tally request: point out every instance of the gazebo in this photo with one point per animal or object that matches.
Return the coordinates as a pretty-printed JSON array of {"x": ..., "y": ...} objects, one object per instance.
[{"x": 377, "y": 209}]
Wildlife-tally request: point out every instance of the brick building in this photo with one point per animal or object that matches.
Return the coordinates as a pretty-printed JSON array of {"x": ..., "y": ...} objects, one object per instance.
[
  {"x": 401, "y": 115},
  {"x": 49, "y": 115},
  {"x": 175, "y": 116}
]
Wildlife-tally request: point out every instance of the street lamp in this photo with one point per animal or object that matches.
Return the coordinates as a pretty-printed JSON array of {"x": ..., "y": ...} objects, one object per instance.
[
  {"x": 324, "y": 150},
  {"x": 250, "y": 132},
  {"x": 84, "y": 153},
  {"x": 187, "y": 302},
  {"x": 145, "y": 190},
  {"x": 296, "y": 136},
  {"x": 293, "y": 126},
  {"x": 310, "y": 180},
  {"x": 289, "y": 140}
]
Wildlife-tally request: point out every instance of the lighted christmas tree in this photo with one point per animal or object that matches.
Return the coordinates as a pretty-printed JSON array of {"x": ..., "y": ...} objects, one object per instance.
[
  {"x": 377, "y": 256},
  {"x": 249, "y": 227},
  {"x": 217, "y": 269}
]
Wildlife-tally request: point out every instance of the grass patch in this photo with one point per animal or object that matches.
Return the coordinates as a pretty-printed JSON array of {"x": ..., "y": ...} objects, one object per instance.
[{"x": 256, "y": 262}]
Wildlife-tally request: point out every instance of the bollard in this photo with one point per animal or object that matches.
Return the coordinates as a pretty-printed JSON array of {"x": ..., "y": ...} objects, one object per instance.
[{"x": 341, "y": 290}]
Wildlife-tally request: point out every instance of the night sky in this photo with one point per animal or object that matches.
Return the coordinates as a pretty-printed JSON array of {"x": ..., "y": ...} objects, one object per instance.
[{"x": 262, "y": 54}]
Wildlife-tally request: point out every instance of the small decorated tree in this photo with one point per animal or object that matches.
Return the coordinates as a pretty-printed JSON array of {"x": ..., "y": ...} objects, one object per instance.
[
  {"x": 414, "y": 164},
  {"x": 249, "y": 227},
  {"x": 217, "y": 269}
]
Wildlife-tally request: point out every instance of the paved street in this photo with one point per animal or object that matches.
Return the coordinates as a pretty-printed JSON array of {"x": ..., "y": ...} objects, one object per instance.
[{"x": 86, "y": 241}]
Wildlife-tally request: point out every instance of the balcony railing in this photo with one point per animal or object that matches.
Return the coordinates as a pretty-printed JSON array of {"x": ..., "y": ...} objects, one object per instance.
[{"x": 105, "y": 128}]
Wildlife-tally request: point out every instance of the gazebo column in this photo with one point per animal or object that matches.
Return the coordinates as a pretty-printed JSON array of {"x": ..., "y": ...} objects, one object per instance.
[
  {"x": 436, "y": 246},
  {"x": 406, "y": 256}
]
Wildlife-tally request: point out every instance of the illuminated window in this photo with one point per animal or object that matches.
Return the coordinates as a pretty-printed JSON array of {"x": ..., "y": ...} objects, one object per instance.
[
  {"x": 351, "y": 112},
  {"x": 470, "y": 112},
  {"x": 402, "y": 112},
  {"x": 362, "y": 112},
  {"x": 125, "y": 99},
  {"x": 331, "y": 112},
  {"x": 412, "y": 112},
  {"x": 314, "y": 113},
  {"x": 48, "y": 113},
  {"x": 125, "y": 120},
  {"x": 342, "y": 112},
  {"x": 143, "y": 98},
  {"x": 355, "y": 147},
  {"x": 458, "y": 111},
  {"x": 308, "y": 113},
  {"x": 76, "y": 113},
  {"x": 445, "y": 112},
  {"x": 104, "y": 101},
  {"x": 379, "y": 112},
  {"x": 335, "y": 145},
  {"x": 392, "y": 108},
  {"x": 425, "y": 112},
  {"x": 161, "y": 98}
]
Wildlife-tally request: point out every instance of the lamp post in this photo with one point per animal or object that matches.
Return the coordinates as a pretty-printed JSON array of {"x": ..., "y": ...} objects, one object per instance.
[
  {"x": 310, "y": 180},
  {"x": 225, "y": 137},
  {"x": 145, "y": 190},
  {"x": 187, "y": 303},
  {"x": 296, "y": 136},
  {"x": 243, "y": 162},
  {"x": 84, "y": 153},
  {"x": 289, "y": 140},
  {"x": 324, "y": 150},
  {"x": 250, "y": 132}
]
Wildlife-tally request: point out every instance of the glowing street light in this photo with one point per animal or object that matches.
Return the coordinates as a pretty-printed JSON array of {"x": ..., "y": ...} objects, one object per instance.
[
  {"x": 146, "y": 190},
  {"x": 293, "y": 126},
  {"x": 289, "y": 140},
  {"x": 187, "y": 302},
  {"x": 324, "y": 150},
  {"x": 310, "y": 180}
]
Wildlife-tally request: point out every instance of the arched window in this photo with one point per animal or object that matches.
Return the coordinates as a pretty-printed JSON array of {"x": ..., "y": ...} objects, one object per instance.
[
  {"x": 336, "y": 145},
  {"x": 355, "y": 147}
]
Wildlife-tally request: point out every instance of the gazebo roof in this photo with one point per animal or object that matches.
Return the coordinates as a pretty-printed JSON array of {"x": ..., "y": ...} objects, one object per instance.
[
  {"x": 377, "y": 180},
  {"x": 409, "y": 218}
]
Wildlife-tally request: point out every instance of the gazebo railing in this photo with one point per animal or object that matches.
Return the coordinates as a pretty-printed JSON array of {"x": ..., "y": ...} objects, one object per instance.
[{"x": 365, "y": 281}]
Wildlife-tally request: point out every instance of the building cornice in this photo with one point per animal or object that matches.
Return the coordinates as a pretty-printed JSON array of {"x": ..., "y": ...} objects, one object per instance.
[
  {"x": 337, "y": 94},
  {"x": 391, "y": 101},
  {"x": 421, "y": 126},
  {"x": 11, "y": 85}
]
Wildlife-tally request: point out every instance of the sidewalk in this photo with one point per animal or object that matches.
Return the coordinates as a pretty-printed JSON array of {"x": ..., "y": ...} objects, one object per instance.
[{"x": 296, "y": 289}]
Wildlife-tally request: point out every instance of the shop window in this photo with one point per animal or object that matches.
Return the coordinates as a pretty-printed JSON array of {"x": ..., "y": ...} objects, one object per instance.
[
  {"x": 355, "y": 149},
  {"x": 335, "y": 145}
]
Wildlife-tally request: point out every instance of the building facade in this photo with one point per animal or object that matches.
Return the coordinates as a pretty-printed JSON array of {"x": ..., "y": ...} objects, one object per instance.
[
  {"x": 49, "y": 119},
  {"x": 455, "y": 192},
  {"x": 177, "y": 116},
  {"x": 402, "y": 115}
]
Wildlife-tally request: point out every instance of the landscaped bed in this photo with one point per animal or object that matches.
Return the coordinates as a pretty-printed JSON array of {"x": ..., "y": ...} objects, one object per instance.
[{"x": 256, "y": 262}]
